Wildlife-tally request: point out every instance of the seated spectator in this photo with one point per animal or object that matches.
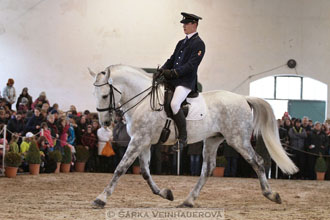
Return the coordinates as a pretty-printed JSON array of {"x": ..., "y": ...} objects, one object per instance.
[
  {"x": 27, "y": 100},
  {"x": 40, "y": 101},
  {"x": 95, "y": 126},
  {"x": 45, "y": 107},
  {"x": 47, "y": 134},
  {"x": 297, "y": 136},
  {"x": 25, "y": 145},
  {"x": 33, "y": 125},
  {"x": 54, "y": 107},
  {"x": 16, "y": 124},
  {"x": 23, "y": 105},
  {"x": 13, "y": 146},
  {"x": 44, "y": 114},
  {"x": 89, "y": 139},
  {"x": 81, "y": 128},
  {"x": 54, "y": 112},
  {"x": 52, "y": 126},
  {"x": 73, "y": 110},
  {"x": 88, "y": 116},
  {"x": 3, "y": 105},
  {"x": 63, "y": 128},
  {"x": 317, "y": 144},
  {"x": 71, "y": 132},
  {"x": 9, "y": 93},
  {"x": 43, "y": 145},
  {"x": 3, "y": 119}
]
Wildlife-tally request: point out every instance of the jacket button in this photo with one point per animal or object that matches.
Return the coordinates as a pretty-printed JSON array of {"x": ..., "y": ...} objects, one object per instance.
[
  {"x": 179, "y": 57},
  {"x": 176, "y": 63}
]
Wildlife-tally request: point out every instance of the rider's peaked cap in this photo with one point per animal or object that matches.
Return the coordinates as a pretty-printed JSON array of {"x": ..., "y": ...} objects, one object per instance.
[{"x": 189, "y": 18}]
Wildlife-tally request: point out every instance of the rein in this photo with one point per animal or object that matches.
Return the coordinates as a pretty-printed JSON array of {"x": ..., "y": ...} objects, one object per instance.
[
  {"x": 158, "y": 79},
  {"x": 112, "y": 106}
]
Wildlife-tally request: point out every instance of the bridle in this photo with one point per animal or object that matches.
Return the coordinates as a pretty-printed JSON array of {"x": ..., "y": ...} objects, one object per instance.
[{"x": 112, "y": 104}]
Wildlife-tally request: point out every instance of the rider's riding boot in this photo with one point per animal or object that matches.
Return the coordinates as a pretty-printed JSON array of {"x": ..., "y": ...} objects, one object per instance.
[{"x": 180, "y": 121}]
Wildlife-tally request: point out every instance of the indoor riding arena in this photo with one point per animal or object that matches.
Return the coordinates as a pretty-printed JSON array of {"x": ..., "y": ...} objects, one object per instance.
[{"x": 168, "y": 109}]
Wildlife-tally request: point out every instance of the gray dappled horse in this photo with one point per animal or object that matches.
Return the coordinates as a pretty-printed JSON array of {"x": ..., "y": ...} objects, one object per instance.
[{"x": 228, "y": 116}]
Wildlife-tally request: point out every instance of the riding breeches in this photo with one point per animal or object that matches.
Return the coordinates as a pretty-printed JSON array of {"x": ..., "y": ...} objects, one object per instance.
[{"x": 180, "y": 94}]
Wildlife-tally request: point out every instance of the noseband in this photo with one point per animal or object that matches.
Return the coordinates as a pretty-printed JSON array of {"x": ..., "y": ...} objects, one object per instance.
[{"x": 112, "y": 105}]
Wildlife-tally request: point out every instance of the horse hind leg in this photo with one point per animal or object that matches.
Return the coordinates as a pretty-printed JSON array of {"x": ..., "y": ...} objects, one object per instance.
[
  {"x": 256, "y": 161},
  {"x": 145, "y": 171},
  {"x": 209, "y": 162}
]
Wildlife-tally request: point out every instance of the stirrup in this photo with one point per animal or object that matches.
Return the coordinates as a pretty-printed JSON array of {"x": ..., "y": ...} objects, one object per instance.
[{"x": 180, "y": 144}]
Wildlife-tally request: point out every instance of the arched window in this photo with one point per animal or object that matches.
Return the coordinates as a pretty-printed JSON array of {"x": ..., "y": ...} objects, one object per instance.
[{"x": 298, "y": 95}]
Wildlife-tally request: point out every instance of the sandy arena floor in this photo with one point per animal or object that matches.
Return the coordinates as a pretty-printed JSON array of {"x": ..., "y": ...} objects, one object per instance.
[{"x": 68, "y": 196}]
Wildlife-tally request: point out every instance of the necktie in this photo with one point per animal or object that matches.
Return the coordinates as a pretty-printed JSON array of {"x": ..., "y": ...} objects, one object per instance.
[{"x": 185, "y": 40}]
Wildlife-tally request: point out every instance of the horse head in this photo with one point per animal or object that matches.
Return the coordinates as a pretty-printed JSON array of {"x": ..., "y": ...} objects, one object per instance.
[{"x": 105, "y": 95}]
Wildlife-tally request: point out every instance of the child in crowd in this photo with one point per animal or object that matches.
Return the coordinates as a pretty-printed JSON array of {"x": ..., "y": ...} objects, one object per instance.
[
  {"x": 25, "y": 145},
  {"x": 13, "y": 146},
  {"x": 47, "y": 134}
]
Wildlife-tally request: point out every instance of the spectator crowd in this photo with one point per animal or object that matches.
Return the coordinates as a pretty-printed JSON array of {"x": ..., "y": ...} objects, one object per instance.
[{"x": 52, "y": 129}]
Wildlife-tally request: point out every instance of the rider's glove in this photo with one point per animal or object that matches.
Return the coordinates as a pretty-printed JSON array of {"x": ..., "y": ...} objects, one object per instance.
[{"x": 169, "y": 74}]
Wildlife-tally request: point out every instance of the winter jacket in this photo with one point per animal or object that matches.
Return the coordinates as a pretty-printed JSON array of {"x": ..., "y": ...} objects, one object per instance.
[
  {"x": 9, "y": 94},
  {"x": 297, "y": 137},
  {"x": 320, "y": 142}
]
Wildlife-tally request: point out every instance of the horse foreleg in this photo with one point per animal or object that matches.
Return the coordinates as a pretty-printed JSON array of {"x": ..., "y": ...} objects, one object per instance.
[
  {"x": 145, "y": 171},
  {"x": 209, "y": 162},
  {"x": 134, "y": 149}
]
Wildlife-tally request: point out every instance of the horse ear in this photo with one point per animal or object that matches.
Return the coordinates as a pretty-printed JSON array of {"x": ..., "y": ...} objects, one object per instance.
[
  {"x": 108, "y": 73},
  {"x": 91, "y": 73}
]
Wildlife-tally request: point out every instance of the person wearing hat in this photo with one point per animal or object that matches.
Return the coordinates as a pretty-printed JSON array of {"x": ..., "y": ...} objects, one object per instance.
[
  {"x": 40, "y": 101},
  {"x": 22, "y": 99},
  {"x": 9, "y": 93},
  {"x": 180, "y": 70}
]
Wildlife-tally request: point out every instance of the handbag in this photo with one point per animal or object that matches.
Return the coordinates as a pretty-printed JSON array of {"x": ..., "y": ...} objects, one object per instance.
[{"x": 107, "y": 150}]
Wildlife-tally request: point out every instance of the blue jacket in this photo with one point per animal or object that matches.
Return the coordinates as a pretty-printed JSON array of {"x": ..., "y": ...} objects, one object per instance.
[{"x": 185, "y": 61}]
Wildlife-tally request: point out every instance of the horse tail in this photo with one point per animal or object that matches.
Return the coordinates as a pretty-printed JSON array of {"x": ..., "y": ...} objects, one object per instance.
[{"x": 264, "y": 122}]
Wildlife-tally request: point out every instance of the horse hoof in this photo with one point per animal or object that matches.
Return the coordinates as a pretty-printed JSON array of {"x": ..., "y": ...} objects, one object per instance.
[
  {"x": 278, "y": 199},
  {"x": 98, "y": 204},
  {"x": 169, "y": 194},
  {"x": 185, "y": 205}
]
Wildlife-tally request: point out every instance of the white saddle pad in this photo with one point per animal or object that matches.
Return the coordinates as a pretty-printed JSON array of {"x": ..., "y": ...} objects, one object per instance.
[{"x": 197, "y": 108}]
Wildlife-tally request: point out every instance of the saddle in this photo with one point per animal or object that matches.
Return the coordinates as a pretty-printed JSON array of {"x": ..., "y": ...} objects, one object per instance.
[
  {"x": 185, "y": 104},
  {"x": 193, "y": 106}
]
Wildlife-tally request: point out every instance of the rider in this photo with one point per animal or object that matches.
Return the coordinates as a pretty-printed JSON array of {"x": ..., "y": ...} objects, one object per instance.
[{"x": 181, "y": 70}]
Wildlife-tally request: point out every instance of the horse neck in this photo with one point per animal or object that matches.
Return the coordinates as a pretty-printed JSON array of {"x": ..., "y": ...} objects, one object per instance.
[{"x": 131, "y": 83}]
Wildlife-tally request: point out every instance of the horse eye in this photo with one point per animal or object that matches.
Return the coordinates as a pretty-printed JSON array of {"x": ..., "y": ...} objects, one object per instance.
[
  {"x": 103, "y": 72},
  {"x": 105, "y": 96}
]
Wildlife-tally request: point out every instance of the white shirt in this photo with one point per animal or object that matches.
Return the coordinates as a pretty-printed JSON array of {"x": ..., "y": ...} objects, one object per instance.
[{"x": 190, "y": 35}]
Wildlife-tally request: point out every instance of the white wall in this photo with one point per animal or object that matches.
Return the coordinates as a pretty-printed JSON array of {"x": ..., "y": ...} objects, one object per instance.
[{"x": 48, "y": 45}]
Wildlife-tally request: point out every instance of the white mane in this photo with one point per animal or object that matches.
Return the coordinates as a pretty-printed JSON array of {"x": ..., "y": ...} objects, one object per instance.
[{"x": 125, "y": 69}]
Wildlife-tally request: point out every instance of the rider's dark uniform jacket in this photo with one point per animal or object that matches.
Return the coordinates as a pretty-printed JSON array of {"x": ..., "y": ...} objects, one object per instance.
[{"x": 185, "y": 61}]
